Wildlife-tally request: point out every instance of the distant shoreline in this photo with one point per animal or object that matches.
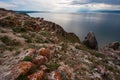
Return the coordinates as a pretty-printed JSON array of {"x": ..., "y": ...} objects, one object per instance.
[{"x": 26, "y": 12}]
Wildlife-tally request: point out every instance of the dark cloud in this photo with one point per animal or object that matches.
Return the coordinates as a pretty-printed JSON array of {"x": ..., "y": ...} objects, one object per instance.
[
  {"x": 111, "y": 2},
  {"x": 77, "y": 2},
  {"x": 114, "y": 2}
]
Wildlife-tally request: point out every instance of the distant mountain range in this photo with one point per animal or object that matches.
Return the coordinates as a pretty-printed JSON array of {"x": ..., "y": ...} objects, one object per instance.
[
  {"x": 101, "y": 11},
  {"x": 108, "y": 11},
  {"x": 24, "y": 12}
]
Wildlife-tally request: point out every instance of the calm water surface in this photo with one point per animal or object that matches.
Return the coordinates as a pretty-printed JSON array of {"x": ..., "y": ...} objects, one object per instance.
[{"x": 106, "y": 26}]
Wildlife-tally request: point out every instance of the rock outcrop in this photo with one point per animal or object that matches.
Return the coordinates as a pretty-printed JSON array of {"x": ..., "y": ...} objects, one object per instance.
[
  {"x": 90, "y": 41},
  {"x": 21, "y": 69},
  {"x": 114, "y": 45}
]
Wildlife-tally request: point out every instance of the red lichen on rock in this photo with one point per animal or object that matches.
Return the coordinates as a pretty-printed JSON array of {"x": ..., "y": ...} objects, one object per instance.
[
  {"x": 21, "y": 69},
  {"x": 58, "y": 75},
  {"x": 40, "y": 60},
  {"x": 44, "y": 52},
  {"x": 37, "y": 76}
]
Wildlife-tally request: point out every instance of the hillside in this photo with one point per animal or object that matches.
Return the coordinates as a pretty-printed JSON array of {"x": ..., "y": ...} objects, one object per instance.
[{"x": 36, "y": 49}]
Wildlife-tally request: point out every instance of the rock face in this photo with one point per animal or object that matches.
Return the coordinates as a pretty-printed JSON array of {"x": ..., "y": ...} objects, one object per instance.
[
  {"x": 90, "y": 41},
  {"x": 114, "y": 45}
]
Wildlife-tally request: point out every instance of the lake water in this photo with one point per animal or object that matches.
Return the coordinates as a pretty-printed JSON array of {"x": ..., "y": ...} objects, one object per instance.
[{"x": 106, "y": 26}]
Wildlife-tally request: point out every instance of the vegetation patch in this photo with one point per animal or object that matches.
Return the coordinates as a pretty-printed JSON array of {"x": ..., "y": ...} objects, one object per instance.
[
  {"x": 20, "y": 29},
  {"x": 77, "y": 47},
  {"x": 97, "y": 54},
  {"x": 45, "y": 33},
  {"x": 22, "y": 77},
  {"x": 53, "y": 66},
  {"x": 27, "y": 38},
  {"x": 38, "y": 40},
  {"x": 64, "y": 47},
  {"x": 28, "y": 58},
  {"x": 8, "y": 41}
]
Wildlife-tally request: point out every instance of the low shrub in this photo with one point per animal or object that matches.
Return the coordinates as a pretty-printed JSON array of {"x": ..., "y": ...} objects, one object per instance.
[
  {"x": 28, "y": 58},
  {"x": 20, "y": 29}
]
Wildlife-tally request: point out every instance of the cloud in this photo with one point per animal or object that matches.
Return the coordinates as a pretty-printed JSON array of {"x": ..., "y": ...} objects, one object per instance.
[
  {"x": 50, "y": 5},
  {"x": 96, "y": 4},
  {"x": 61, "y": 5},
  {"x": 99, "y": 6},
  {"x": 7, "y": 5},
  {"x": 110, "y": 2},
  {"x": 78, "y": 2}
]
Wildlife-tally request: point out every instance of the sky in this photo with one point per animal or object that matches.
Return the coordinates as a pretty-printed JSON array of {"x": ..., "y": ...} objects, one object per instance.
[{"x": 60, "y": 5}]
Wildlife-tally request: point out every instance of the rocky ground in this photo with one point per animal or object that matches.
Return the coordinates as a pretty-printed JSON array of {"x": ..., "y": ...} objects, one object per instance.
[{"x": 36, "y": 49}]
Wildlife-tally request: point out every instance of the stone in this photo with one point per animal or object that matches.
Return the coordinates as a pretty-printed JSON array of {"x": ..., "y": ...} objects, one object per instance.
[
  {"x": 114, "y": 45},
  {"x": 37, "y": 76},
  {"x": 58, "y": 75},
  {"x": 40, "y": 60},
  {"x": 30, "y": 52},
  {"x": 65, "y": 69},
  {"x": 55, "y": 75},
  {"x": 90, "y": 41},
  {"x": 21, "y": 69},
  {"x": 44, "y": 52}
]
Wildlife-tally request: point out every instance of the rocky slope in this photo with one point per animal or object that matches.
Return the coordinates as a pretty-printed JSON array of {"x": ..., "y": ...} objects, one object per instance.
[{"x": 36, "y": 49}]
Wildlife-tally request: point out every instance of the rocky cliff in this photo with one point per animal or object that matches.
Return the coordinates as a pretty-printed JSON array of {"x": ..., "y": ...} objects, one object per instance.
[{"x": 33, "y": 48}]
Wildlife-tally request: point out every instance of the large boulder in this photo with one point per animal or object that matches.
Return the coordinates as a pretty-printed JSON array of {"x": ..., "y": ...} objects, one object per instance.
[
  {"x": 40, "y": 60},
  {"x": 21, "y": 69},
  {"x": 90, "y": 41},
  {"x": 114, "y": 45},
  {"x": 44, "y": 52}
]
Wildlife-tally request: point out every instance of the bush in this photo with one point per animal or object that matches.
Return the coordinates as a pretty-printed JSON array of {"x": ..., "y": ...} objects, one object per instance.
[
  {"x": 77, "y": 47},
  {"x": 5, "y": 39},
  {"x": 28, "y": 58},
  {"x": 38, "y": 40},
  {"x": 32, "y": 70},
  {"x": 28, "y": 39},
  {"x": 52, "y": 66},
  {"x": 22, "y": 77},
  {"x": 8, "y": 41},
  {"x": 97, "y": 54},
  {"x": 64, "y": 47},
  {"x": 21, "y": 29}
]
